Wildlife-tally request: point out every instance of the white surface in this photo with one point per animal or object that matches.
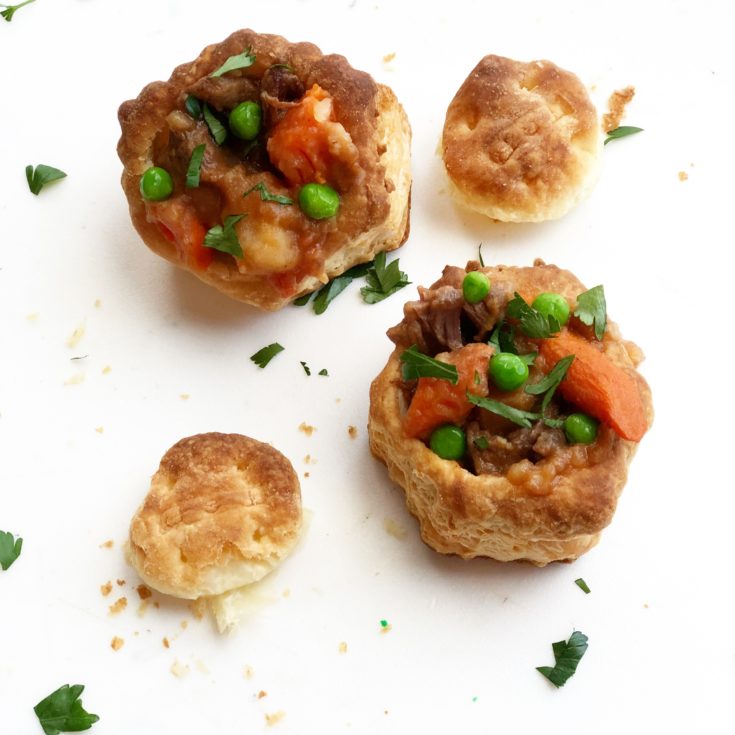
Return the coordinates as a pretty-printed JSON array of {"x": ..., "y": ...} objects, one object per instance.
[{"x": 662, "y": 648}]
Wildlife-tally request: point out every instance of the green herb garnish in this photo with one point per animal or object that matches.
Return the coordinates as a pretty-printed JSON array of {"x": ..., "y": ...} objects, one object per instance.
[
  {"x": 10, "y": 548},
  {"x": 567, "y": 655},
  {"x": 516, "y": 415},
  {"x": 9, "y": 11},
  {"x": 533, "y": 323},
  {"x": 592, "y": 309},
  {"x": 383, "y": 280},
  {"x": 328, "y": 293},
  {"x": 384, "y": 624},
  {"x": 62, "y": 711},
  {"x": 582, "y": 585},
  {"x": 479, "y": 255},
  {"x": 41, "y": 176},
  {"x": 224, "y": 237},
  {"x": 303, "y": 300},
  {"x": 622, "y": 132},
  {"x": 306, "y": 368},
  {"x": 418, "y": 365},
  {"x": 529, "y": 358},
  {"x": 323, "y": 371},
  {"x": 266, "y": 196},
  {"x": 218, "y": 130},
  {"x": 262, "y": 357},
  {"x": 195, "y": 166},
  {"x": 481, "y": 442},
  {"x": 549, "y": 383},
  {"x": 239, "y": 61},
  {"x": 193, "y": 107}
]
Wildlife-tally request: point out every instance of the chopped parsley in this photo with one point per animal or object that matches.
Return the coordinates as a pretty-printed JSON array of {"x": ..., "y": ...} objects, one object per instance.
[
  {"x": 328, "y": 293},
  {"x": 195, "y": 166},
  {"x": 62, "y": 711},
  {"x": 218, "y": 130},
  {"x": 10, "y": 548},
  {"x": 224, "y": 237},
  {"x": 550, "y": 382},
  {"x": 323, "y": 371},
  {"x": 479, "y": 255},
  {"x": 193, "y": 107},
  {"x": 384, "y": 624},
  {"x": 532, "y": 322},
  {"x": 516, "y": 415},
  {"x": 9, "y": 11},
  {"x": 567, "y": 655},
  {"x": 266, "y": 196},
  {"x": 239, "y": 61},
  {"x": 592, "y": 309},
  {"x": 382, "y": 280},
  {"x": 306, "y": 368},
  {"x": 582, "y": 585},
  {"x": 481, "y": 443},
  {"x": 262, "y": 357},
  {"x": 418, "y": 365},
  {"x": 622, "y": 132},
  {"x": 41, "y": 176}
]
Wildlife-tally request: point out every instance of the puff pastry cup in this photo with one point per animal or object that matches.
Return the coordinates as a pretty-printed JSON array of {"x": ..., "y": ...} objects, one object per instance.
[
  {"x": 521, "y": 141},
  {"x": 518, "y": 493},
  {"x": 322, "y": 121}
]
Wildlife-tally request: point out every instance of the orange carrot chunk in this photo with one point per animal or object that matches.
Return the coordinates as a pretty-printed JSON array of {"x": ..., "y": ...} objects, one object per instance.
[
  {"x": 597, "y": 385},
  {"x": 180, "y": 225},
  {"x": 438, "y": 402}
]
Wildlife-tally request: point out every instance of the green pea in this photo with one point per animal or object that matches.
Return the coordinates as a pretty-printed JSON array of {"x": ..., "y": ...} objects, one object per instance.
[
  {"x": 580, "y": 428},
  {"x": 508, "y": 371},
  {"x": 156, "y": 184},
  {"x": 552, "y": 304},
  {"x": 448, "y": 441},
  {"x": 318, "y": 201},
  {"x": 475, "y": 286},
  {"x": 245, "y": 120}
]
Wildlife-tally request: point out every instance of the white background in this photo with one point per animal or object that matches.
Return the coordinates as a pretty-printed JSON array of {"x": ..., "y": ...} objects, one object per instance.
[{"x": 466, "y": 636}]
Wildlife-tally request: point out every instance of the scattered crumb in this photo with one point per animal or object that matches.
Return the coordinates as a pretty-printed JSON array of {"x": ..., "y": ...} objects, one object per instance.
[
  {"x": 308, "y": 459},
  {"x": 352, "y": 431},
  {"x": 385, "y": 626},
  {"x": 198, "y": 608},
  {"x": 32, "y": 317},
  {"x": 120, "y": 582},
  {"x": 184, "y": 624},
  {"x": 107, "y": 544},
  {"x": 143, "y": 608},
  {"x": 306, "y": 474},
  {"x": 117, "y": 643},
  {"x": 75, "y": 379},
  {"x": 286, "y": 592},
  {"x": 683, "y": 175},
  {"x": 247, "y": 672},
  {"x": 166, "y": 643},
  {"x": 645, "y": 604},
  {"x": 338, "y": 400},
  {"x": 184, "y": 396},
  {"x": 262, "y": 694},
  {"x": 178, "y": 669},
  {"x": 106, "y": 369},
  {"x": 118, "y": 606},
  {"x": 342, "y": 647},
  {"x": 202, "y": 667},
  {"x": 106, "y": 588},
  {"x": 143, "y": 592},
  {"x": 308, "y": 430},
  {"x": 76, "y": 336},
  {"x": 616, "y": 108},
  {"x": 389, "y": 57},
  {"x": 99, "y": 429},
  {"x": 97, "y": 303},
  {"x": 385, "y": 711},
  {"x": 394, "y": 529},
  {"x": 275, "y": 718}
]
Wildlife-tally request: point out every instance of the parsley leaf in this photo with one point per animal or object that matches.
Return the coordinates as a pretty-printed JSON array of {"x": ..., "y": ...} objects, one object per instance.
[
  {"x": 239, "y": 61},
  {"x": 9, "y": 549},
  {"x": 306, "y": 368},
  {"x": 266, "y": 196},
  {"x": 9, "y": 11},
  {"x": 195, "y": 166},
  {"x": 41, "y": 176},
  {"x": 62, "y": 711},
  {"x": 328, "y": 293},
  {"x": 592, "y": 309},
  {"x": 479, "y": 255},
  {"x": 622, "y": 132},
  {"x": 529, "y": 358},
  {"x": 481, "y": 442},
  {"x": 502, "y": 338},
  {"x": 582, "y": 585},
  {"x": 418, "y": 365},
  {"x": 323, "y": 371},
  {"x": 533, "y": 323},
  {"x": 224, "y": 237},
  {"x": 516, "y": 415},
  {"x": 262, "y": 357},
  {"x": 550, "y": 382},
  {"x": 218, "y": 130},
  {"x": 303, "y": 300},
  {"x": 567, "y": 655},
  {"x": 193, "y": 107},
  {"x": 383, "y": 280}
]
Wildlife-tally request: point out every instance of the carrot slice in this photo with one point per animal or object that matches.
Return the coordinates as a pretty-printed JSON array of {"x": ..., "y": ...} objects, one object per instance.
[
  {"x": 597, "y": 385},
  {"x": 438, "y": 402},
  {"x": 182, "y": 227}
]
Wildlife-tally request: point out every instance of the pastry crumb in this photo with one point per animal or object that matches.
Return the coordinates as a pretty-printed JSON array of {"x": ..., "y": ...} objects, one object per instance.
[
  {"x": 166, "y": 642},
  {"x": 202, "y": 667},
  {"x": 32, "y": 317},
  {"x": 247, "y": 672},
  {"x": 645, "y": 604},
  {"x": 76, "y": 336},
  {"x": 306, "y": 428},
  {"x": 261, "y": 694},
  {"x": 352, "y": 431},
  {"x": 616, "y": 108},
  {"x": 389, "y": 57},
  {"x": 143, "y": 592},
  {"x": 116, "y": 643},
  {"x": 106, "y": 588},
  {"x": 107, "y": 544},
  {"x": 142, "y": 608},
  {"x": 275, "y": 718},
  {"x": 118, "y": 606},
  {"x": 184, "y": 396},
  {"x": 184, "y": 624},
  {"x": 75, "y": 379},
  {"x": 308, "y": 459},
  {"x": 120, "y": 582},
  {"x": 394, "y": 529},
  {"x": 106, "y": 369},
  {"x": 99, "y": 429},
  {"x": 342, "y": 647},
  {"x": 198, "y": 608},
  {"x": 307, "y": 474},
  {"x": 178, "y": 669},
  {"x": 683, "y": 175},
  {"x": 97, "y": 303},
  {"x": 286, "y": 593}
]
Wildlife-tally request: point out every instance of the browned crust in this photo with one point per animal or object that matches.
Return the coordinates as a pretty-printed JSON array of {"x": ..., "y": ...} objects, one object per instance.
[
  {"x": 469, "y": 515},
  {"x": 373, "y": 214},
  {"x": 521, "y": 141},
  {"x": 222, "y": 511}
]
